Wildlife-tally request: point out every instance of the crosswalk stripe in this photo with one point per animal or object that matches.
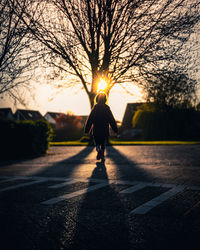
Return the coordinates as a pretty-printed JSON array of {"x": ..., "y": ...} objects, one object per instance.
[
  {"x": 122, "y": 182},
  {"x": 97, "y": 184},
  {"x": 63, "y": 184},
  {"x": 197, "y": 188},
  {"x": 134, "y": 188},
  {"x": 146, "y": 207},
  {"x": 150, "y": 184},
  {"x": 15, "y": 178},
  {"x": 21, "y": 185},
  {"x": 8, "y": 180},
  {"x": 74, "y": 194}
]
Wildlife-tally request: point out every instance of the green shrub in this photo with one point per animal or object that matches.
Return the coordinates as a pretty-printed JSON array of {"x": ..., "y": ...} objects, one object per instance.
[
  {"x": 172, "y": 125},
  {"x": 24, "y": 138},
  {"x": 67, "y": 134},
  {"x": 87, "y": 138}
]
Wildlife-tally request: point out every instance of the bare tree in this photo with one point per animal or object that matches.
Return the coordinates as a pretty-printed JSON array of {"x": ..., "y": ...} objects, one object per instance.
[
  {"x": 111, "y": 39},
  {"x": 15, "y": 54},
  {"x": 169, "y": 88}
]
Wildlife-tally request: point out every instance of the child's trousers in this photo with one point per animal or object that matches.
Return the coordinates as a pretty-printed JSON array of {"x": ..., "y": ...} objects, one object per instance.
[{"x": 100, "y": 141}]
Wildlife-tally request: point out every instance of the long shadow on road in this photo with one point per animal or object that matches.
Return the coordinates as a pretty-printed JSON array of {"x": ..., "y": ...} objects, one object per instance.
[
  {"x": 96, "y": 220},
  {"x": 126, "y": 168},
  {"x": 101, "y": 221},
  {"x": 65, "y": 167}
]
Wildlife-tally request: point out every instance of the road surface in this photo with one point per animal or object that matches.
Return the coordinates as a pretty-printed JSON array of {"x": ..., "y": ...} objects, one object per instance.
[{"x": 140, "y": 197}]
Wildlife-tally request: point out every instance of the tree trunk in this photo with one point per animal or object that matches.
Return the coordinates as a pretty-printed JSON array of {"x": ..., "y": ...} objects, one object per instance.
[
  {"x": 96, "y": 76},
  {"x": 91, "y": 99}
]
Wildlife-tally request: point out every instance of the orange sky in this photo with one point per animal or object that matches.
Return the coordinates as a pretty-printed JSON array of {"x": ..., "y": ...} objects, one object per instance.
[{"x": 47, "y": 99}]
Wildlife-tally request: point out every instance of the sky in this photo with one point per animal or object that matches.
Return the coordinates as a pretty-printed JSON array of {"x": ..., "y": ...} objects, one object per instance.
[{"x": 45, "y": 97}]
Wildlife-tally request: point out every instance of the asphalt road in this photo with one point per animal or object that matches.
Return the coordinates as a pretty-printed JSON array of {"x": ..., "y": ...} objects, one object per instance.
[{"x": 141, "y": 197}]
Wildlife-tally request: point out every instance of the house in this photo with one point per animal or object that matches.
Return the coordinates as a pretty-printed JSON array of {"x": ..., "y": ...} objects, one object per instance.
[
  {"x": 22, "y": 114},
  {"x": 51, "y": 117},
  {"x": 126, "y": 130},
  {"x": 6, "y": 113},
  {"x": 130, "y": 110},
  {"x": 111, "y": 132}
]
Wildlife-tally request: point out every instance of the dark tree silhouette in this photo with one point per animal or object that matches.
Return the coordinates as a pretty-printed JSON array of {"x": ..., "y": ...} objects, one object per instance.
[
  {"x": 68, "y": 127},
  {"x": 69, "y": 121},
  {"x": 110, "y": 39},
  {"x": 170, "y": 88},
  {"x": 15, "y": 54}
]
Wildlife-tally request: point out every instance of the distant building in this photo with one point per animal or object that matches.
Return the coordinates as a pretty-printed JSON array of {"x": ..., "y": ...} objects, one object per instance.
[
  {"x": 111, "y": 132},
  {"x": 130, "y": 110},
  {"x": 126, "y": 130},
  {"x": 51, "y": 117},
  {"x": 22, "y": 115},
  {"x": 6, "y": 113}
]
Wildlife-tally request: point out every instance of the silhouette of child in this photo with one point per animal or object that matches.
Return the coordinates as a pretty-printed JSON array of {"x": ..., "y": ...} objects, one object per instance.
[{"x": 98, "y": 121}]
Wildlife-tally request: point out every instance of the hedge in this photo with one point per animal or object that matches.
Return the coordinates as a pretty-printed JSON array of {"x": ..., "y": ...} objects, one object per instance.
[
  {"x": 171, "y": 125},
  {"x": 67, "y": 134},
  {"x": 24, "y": 138}
]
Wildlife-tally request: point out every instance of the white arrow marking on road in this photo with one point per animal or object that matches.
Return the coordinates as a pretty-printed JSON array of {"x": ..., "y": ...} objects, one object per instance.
[{"x": 146, "y": 207}]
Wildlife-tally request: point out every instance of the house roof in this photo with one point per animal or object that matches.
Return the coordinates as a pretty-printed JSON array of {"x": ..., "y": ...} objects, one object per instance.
[
  {"x": 131, "y": 108},
  {"x": 28, "y": 114},
  {"x": 54, "y": 115},
  {"x": 4, "y": 112}
]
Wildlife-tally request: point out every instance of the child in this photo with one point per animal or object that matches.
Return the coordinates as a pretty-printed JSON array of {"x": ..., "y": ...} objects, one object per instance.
[{"x": 99, "y": 120}]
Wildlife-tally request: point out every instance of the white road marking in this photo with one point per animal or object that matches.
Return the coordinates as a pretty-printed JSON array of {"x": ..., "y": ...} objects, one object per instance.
[
  {"x": 74, "y": 194},
  {"x": 165, "y": 185},
  {"x": 21, "y": 185},
  {"x": 9, "y": 180},
  {"x": 122, "y": 182},
  {"x": 134, "y": 188},
  {"x": 5, "y": 177},
  {"x": 14, "y": 178},
  {"x": 63, "y": 184},
  {"x": 146, "y": 207},
  {"x": 149, "y": 184},
  {"x": 193, "y": 187}
]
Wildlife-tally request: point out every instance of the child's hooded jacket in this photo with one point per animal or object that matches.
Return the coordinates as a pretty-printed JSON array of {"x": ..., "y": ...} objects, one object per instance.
[{"x": 99, "y": 120}]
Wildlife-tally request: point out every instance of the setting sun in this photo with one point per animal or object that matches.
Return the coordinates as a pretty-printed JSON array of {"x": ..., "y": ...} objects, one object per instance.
[{"x": 102, "y": 85}]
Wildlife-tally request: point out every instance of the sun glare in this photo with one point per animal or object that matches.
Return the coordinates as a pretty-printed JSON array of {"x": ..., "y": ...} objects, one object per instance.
[{"x": 102, "y": 85}]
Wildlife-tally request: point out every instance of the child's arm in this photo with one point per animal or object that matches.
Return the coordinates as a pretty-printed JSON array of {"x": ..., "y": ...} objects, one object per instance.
[
  {"x": 89, "y": 122},
  {"x": 112, "y": 121}
]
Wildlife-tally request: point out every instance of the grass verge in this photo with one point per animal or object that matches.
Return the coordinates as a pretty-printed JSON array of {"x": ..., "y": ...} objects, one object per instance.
[
  {"x": 113, "y": 142},
  {"x": 69, "y": 143}
]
